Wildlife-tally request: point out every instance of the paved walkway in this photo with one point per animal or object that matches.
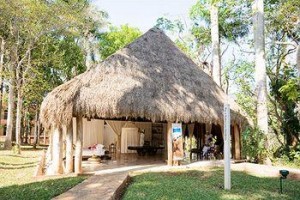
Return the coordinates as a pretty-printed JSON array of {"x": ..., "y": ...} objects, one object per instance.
[{"x": 104, "y": 187}]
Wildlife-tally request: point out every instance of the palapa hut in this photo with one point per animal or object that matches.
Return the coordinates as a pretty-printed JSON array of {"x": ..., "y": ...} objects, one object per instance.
[{"x": 149, "y": 79}]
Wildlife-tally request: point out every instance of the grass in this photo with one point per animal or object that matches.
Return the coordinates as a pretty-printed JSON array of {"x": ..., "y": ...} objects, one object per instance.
[
  {"x": 17, "y": 181},
  {"x": 208, "y": 184}
]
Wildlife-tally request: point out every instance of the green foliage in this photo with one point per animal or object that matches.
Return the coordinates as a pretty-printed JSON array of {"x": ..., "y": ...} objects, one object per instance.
[
  {"x": 241, "y": 77},
  {"x": 233, "y": 20},
  {"x": 289, "y": 158},
  {"x": 190, "y": 143},
  {"x": 165, "y": 24},
  {"x": 284, "y": 16},
  {"x": 208, "y": 184},
  {"x": 44, "y": 43},
  {"x": 286, "y": 92},
  {"x": 253, "y": 144},
  {"x": 291, "y": 89},
  {"x": 116, "y": 38},
  {"x": 53, "y": 62}
]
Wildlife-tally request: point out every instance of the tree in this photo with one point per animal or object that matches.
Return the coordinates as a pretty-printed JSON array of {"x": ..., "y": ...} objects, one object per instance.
[
  {"x": 24, "y": 32},
  {"x": 260, "y": 67},
  {"x": 215, "y": 20},
  {"x": 282, "y": 26},
  {"x": 215, "y": 39},
  {"x": 116, "y": 38}
]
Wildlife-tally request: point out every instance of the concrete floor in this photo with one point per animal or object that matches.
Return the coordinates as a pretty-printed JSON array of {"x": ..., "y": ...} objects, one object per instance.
[{"x": 123, "y": 163}]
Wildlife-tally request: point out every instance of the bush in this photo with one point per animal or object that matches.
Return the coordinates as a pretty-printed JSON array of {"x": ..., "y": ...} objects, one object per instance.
[{"x": 253, "y": 145}]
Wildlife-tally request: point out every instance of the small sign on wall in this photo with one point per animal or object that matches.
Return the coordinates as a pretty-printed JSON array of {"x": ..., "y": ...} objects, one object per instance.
[{"x": 177, "y": 141}]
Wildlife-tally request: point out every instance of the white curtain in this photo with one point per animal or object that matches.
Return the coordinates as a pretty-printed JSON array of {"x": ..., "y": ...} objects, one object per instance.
[
  {"x": 92, "y": 132},
  {"x": 116, "y": 126},
  {"x": 109, "y": 136},
  {"x": 130, "y": 137}
]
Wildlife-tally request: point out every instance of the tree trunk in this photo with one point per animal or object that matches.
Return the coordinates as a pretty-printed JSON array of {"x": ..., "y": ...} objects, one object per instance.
[
  {"x": 19, "y": 118},
  {"x": 298, "y": 60},
  {"x": 87, "y": 50},
  {"x": 2, "y": 49},
  {"x": 298, "y": 68},
  {"x": 27, "y": 125},
  {"x": 260, "y": 68},
  {"x": 11, "y": 109},
  {"x": 216, "y": 57},
  {"x": 36, "y": 129},
  {"x": 169, "y": 144}
]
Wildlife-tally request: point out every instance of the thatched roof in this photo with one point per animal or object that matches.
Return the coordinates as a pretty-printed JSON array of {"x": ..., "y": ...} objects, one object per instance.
[{"x": 149, "y": 78}]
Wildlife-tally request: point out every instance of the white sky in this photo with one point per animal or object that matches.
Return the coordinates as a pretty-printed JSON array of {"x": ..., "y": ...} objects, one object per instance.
[{"x": 144, "y": 13}]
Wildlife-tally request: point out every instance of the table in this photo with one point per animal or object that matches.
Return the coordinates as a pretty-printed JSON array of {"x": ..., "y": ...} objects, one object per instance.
[
  {"x": 142, "y": 150},
  {"x": 198, "y": 152}
]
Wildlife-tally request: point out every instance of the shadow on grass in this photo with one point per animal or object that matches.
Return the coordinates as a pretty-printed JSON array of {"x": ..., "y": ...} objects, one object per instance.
[
  {"x": 18, "y": 164},
  {"x": 195, "y": 184},
  {"x": 17, "y": 167},
  {"x": 40, "y": 190}
]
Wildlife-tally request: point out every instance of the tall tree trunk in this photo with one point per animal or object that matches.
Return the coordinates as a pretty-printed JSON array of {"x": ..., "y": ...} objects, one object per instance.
[
  {"x": 36, "y": 129},
  {"x": 298, "y": 68},
  {"x": 2, "y": 49},
  {"x": 27, "y": 126},
  {"x": 260, "y": 68},
  {"x": 87, "y": 50},
  {"x": 298, "y": 60},
  {"x": 216, "y": 57},
  {"x": 19, "y": 117},
  {"x": 11, "y": 98}
]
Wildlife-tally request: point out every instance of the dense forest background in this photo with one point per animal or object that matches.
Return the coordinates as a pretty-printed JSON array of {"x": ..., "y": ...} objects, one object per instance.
[{"x": 250, "y": 48}]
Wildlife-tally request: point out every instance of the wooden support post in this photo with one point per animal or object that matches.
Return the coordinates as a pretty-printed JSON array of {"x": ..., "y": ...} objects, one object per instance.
[
  {"x": 69, "y": 148},
  {"x": 78, "y": 150},
  {"x": 57, "y": 151},
  {"x": 237, "y": 150},
  {"x": 170, "y": 144}
]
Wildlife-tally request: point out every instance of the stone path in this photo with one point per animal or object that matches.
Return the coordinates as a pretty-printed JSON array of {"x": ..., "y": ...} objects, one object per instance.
[{"x": 104, "y": 187}]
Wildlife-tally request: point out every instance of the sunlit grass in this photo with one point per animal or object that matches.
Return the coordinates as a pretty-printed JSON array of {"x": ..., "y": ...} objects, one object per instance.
[
  {"x": 17, "y": 180},
  {"x": 194, "y": 184}
]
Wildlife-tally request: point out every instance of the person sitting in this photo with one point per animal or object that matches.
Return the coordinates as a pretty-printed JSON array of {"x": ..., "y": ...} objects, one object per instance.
[
  {"x": 207, "y": 136},
  {"x": 206, "y": 148}
]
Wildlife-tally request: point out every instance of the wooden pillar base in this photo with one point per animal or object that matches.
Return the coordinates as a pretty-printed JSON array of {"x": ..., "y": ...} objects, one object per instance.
[{"x": 169, "y": 144}]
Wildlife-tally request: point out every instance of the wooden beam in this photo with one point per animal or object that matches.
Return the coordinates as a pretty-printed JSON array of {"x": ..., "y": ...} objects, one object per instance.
[
  {"x": 237, "y": 150},
  {"x": 69, "y": 148},
  {"x": 79, "y": 141},
  {"x": 169, "y": 143},
  {"x": 57, "y": 151}
]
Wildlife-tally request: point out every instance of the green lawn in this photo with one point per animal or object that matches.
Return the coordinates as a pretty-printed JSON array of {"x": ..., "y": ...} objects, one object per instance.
[
  {"x": 207, "y": 184},
  {"x": 17, "y": 181}
]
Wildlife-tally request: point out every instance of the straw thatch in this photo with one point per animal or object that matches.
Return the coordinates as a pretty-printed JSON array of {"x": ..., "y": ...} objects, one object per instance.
[{"x": 149, "y": 78}]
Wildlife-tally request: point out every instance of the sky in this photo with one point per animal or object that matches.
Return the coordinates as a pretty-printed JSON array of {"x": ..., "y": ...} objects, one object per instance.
[{"x": 144, "y": 13}]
